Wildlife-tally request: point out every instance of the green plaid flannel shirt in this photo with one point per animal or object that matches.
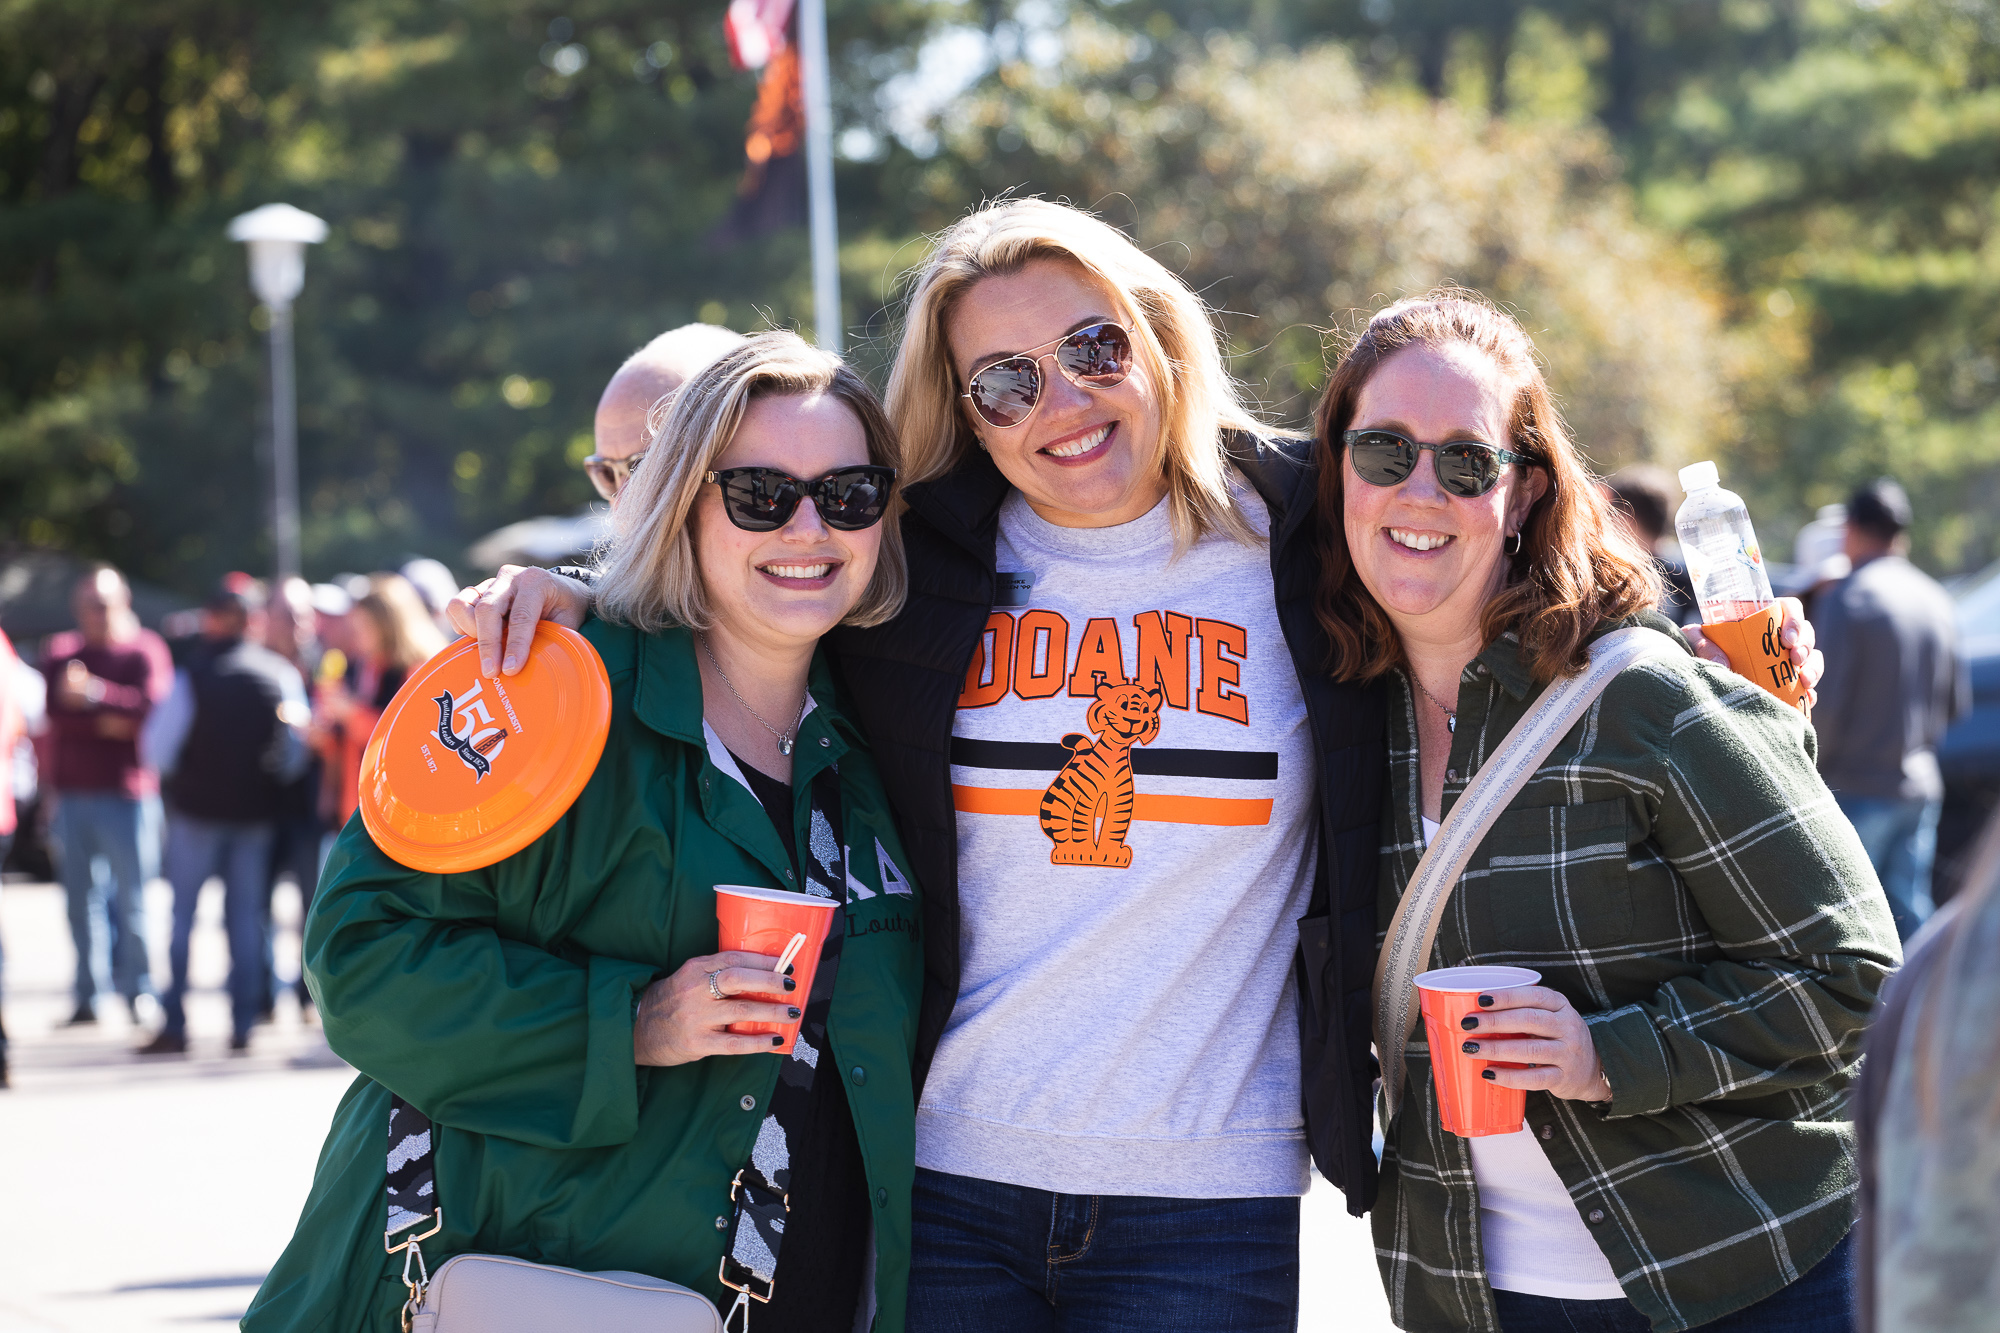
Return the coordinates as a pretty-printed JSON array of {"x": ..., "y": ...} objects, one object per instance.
[{"x": 1679, "y": 871}]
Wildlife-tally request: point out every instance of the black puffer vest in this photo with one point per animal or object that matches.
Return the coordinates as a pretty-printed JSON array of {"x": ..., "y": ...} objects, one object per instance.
[{"x": 901, "y": 682}]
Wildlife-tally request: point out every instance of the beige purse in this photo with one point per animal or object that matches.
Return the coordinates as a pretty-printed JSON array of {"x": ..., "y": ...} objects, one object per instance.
[
  {"x": 493, "y": 1293},
  {"x": 489, "y": 1293},
  {"x": 1413, "y": 929}
]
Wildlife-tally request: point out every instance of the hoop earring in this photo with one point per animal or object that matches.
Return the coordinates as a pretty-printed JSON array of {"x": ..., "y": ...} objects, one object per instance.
[{"x": 1515, "y": 547}]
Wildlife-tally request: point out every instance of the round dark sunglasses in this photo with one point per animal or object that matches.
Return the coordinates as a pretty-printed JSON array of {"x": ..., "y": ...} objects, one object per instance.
[
  {"x": 763, "y": 499},
  {"x": 1005, "y": 393},
  {"x": 1465, "y": 468}
]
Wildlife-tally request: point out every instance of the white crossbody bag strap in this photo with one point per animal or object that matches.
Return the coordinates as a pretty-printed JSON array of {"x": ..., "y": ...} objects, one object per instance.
[{"x": 1413, "y": 929}]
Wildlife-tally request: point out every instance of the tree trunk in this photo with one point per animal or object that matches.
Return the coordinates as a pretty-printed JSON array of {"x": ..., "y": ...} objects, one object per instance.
[
  {"x": 162, "y": 185},
  {"x": 1626, "y": 27},
  {"x": 1433, "y": 45},
  {"x": 1505, "y": 18}
]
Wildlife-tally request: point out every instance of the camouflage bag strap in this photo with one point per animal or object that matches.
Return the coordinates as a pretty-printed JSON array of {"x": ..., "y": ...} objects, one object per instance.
[{"x": 761, "y": 1191}]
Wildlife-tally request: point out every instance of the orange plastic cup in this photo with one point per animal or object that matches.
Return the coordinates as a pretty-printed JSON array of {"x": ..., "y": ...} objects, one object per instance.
[
  {"x": 1754, "y": 650},
  {"x": 1468, "y": 1105},
  {"x": 763, "y": 921}
]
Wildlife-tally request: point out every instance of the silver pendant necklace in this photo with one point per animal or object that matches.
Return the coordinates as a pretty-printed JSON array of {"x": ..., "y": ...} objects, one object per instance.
[
  {"x": 783, "y": 738},
  {"x": 1450, "y": 716}
]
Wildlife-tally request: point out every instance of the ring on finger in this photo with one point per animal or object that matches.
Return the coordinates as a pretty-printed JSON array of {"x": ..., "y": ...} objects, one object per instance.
[{"x": 713, "y": 988}]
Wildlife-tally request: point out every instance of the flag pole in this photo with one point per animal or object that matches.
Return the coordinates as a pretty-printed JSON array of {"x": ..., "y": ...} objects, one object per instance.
[{"x": 819, "y": 172}]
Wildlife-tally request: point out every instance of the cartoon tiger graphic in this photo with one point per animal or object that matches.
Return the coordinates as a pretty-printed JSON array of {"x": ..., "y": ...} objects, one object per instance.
[{"x": 1088, "y": 808}]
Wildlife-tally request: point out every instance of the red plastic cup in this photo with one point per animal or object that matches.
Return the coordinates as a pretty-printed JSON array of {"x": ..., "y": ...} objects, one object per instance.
[
  {"x": 755, "y": 920},
  {"x": 1468, "y": 1105}
]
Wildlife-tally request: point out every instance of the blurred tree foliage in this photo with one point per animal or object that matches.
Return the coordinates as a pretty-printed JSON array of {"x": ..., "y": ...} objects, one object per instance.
[
  {"x": 1298, "y": 201},
  {"x": 1751, "y": 229},
  {"x": 520, "y": 195}
]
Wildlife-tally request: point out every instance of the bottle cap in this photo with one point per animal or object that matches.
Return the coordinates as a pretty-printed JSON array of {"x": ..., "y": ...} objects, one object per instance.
[{"x": 1697, "y": 475}]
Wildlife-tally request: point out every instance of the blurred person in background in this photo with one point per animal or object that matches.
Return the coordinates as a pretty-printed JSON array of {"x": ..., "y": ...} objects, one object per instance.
[
  {"x": 228, "y": 740},
  {"x": 104, "y": 678},
  {"x": 648, "y": 379},
  {"x": 630, "y": 412},
  {"x": 436, "y": 585},
  {"x": 1928, "y": 1107},
  {"x": 1895, "y": 680},
  {"x": 1642, "y": 497},
  {"x": 292, "y": 632},
  {"x": 333, "y": 629},
  {"x": 13, "y": 724},
  {"x": 392, "y": 632}
]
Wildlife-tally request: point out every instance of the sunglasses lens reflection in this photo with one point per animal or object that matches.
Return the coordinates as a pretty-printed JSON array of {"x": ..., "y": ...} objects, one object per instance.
[
  {"x": 1100, "y": 356},
  {"x": 760, "y": 499},
  {"x": 1004, "y": 393},
  {"x": 1467, "y": 470},
  {"x": 1382, "y": 459}
]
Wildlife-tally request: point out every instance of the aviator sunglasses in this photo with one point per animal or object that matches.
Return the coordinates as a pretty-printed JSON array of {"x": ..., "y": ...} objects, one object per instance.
[
  {"x": 1465, "y": 468},
  {"x": 763, "y": 499},
  {"x": 1095, "y": 357}
]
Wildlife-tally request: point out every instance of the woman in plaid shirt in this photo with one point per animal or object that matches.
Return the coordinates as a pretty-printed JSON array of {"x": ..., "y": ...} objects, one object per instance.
[{"x": 1708, "y": 929}]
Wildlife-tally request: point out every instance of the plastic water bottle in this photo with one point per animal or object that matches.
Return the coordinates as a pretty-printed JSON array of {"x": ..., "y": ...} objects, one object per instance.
[{"x": 1723, "y": 559}]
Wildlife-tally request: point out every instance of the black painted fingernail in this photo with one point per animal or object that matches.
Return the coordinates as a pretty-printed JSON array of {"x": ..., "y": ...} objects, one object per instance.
[
  {"x": 1486, "y": 1002},
  {"x": 777, "y": 1040},
  {"x": 1470, "y": 1048},
  {"x": 791, "y": 1013},
  {"x": 790, "y": 984},
  {"x": 1486, "y": 1074},
  {"x": 791, "y": 968},
  {"x": 1470, "y": 1022}
]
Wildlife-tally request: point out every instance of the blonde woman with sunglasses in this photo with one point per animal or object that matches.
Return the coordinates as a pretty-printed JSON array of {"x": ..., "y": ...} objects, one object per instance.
[
  {"x": 564, "y": 1018},
  {"x": 1143, "y": 817}
]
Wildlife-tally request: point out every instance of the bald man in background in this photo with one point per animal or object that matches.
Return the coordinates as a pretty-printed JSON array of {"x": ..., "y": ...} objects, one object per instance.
[
  {"x": 648, "y": 378},
  {"x": 622, "y": 432}
]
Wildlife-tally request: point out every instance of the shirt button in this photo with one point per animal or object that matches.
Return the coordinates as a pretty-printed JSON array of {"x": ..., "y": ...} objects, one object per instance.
[
  {"x": 1451, "y": 775},
  {"x": 825, "y": 743},
  {"x": 881, "y": 1198},
  {"x": 748, "y": 1103},
  {"x": 788, "y": 874},
  {"x": 722, "y": 1224},
  {"x": 1596, "y": 1217},
  {"x": 1548, "y": 1132},
  {"x": 859, "y": 1075}
]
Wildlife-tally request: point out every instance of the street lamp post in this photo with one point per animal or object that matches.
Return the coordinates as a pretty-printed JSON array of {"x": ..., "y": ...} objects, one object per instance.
[{"x": 276, "y": 236}]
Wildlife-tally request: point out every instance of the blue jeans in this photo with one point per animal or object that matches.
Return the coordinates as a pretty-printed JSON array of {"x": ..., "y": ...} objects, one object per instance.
[
  {"x": 241, "y": 854},
  {"x": 987, "y": 1256},
  {"x": 110, "y": 847},
  {"x": 297, "y": 842},
  {"x": 1821, "y": 1301},
  {"x": 1901, "y": 839}
]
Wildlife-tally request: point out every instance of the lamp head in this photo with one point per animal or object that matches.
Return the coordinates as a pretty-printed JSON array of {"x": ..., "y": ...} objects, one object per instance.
[{"x": 276, "y": 236}]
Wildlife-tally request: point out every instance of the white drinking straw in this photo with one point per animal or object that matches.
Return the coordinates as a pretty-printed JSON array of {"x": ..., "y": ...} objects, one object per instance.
[{"x": 791, "y": 952}]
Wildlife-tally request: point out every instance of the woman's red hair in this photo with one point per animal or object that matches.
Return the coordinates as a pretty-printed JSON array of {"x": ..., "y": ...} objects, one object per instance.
[{"x": 1576, "y": 569}]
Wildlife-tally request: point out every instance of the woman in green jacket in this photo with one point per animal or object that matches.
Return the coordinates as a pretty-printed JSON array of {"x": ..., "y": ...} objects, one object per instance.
[{"x": 561, "y": 1016}]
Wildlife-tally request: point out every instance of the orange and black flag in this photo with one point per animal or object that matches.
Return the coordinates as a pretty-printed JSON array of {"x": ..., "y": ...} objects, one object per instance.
[{"x": 772, "y": 193}]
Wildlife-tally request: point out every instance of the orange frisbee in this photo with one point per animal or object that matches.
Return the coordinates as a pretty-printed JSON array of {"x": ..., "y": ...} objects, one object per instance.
[{"x": 464, "y": 769}]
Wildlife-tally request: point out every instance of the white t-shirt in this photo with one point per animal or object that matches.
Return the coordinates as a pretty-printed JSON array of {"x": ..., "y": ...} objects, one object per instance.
[
  {"x": 1528, "y": 1225},
  {"x": 1133, "y": 773}
]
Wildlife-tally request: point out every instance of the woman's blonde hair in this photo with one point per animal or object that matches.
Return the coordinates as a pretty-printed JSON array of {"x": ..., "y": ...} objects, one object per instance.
[
  {"x": 1575, "y": 568},
  {"x": 402, "y": 622},
  {"x": 1173, "y": 337},
  {"x": 651, "y": 577}
]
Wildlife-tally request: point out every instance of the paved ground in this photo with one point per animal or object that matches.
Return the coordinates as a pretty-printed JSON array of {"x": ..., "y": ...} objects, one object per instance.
[{"x": 142, "y": 1196}]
